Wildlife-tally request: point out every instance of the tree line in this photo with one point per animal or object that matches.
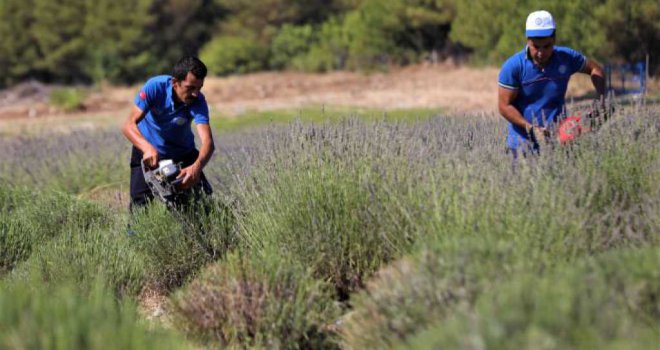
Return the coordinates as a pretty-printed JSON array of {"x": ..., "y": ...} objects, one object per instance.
[{"x": 121, "y": 41}]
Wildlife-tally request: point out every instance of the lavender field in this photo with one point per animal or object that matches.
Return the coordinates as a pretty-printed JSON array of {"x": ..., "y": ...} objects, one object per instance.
[{"x": 420, "y": 233}]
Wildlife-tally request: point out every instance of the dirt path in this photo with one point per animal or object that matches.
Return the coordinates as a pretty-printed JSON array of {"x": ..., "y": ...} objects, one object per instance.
[{"x": 452, "y": 88}]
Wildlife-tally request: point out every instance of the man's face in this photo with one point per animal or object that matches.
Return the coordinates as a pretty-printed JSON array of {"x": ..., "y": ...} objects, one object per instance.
[
  {"x": 187, "y": 90},
  {"x": 540, "y": 49}
]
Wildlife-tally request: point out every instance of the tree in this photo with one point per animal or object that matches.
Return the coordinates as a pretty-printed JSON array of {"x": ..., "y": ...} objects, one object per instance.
[
  {"x": 121, "y": 49},
  {"x": 493, "y": 29},
  {"x": 18, "y": 52},
  {"x": 632, "y": 30},
  {"x": 56, "y": 31},
  {"x": 396, "y": 31},
  {"x": 603, "y": 29},
  {"x": 180, "y": 27}
]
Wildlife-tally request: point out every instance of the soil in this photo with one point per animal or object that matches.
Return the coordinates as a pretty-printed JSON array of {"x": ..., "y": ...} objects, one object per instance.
[{"x": 452, "y": 88}]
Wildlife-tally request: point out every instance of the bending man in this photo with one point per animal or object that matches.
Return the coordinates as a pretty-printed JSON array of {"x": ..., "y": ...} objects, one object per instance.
[
  {"x": 533, "y": 82},
  {"x": 159, "y": 127}
]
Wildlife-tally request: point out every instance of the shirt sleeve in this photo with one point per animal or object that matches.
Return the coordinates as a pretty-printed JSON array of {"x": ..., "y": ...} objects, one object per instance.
[
  {"x": 146, "y": 95},
  {"x": 200, "y": 111},
  {"x": 509, "y": 77},
  {"x": 577, "y": 59}
]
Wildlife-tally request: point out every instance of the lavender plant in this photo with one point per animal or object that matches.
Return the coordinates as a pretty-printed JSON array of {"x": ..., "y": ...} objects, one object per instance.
[
  {"x": 258, "y": 301},
  {"x": 39, "y": 315},
  {"x": 29, "y": 220},
  {"x": 72, "y": 163},
  {"x": 346, "y": 200}
]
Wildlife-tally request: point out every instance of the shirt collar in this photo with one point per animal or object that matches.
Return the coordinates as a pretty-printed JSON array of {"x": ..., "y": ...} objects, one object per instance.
[{"x": 169, "y": 91}]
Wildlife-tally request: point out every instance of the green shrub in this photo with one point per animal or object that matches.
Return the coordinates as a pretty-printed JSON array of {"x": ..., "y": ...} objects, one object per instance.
[
  {"x": 83, "y": 257},
  {"x": 403, "y": 299},
  {"x": 69, "y": 99},
  {"x": 177, "y": 243},
  {"x": 59, "y": 317},
  {"x": 261, "y": 301},
  {"x": 231, "y": 55},
  {"x": 73, "y": 162},
  {"x": 607, "y": 302},
  {"x": 448, "y": 301},
  {"x": 329, "y": 53},
  {"x": 337, "y": 221},
  {"x": 371, "y": 29},
  {"x": 29, "y": 220},
  {"x": 290, "y": 43}
]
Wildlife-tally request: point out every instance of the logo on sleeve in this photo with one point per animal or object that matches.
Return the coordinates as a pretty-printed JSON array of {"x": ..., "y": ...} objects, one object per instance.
[
  {"x": 143, "y": 95},
  {"x": 562, "y": 69}
]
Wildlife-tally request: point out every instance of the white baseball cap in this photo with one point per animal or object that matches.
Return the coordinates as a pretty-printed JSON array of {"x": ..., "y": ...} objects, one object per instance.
[{"x": 539, "y": 24}]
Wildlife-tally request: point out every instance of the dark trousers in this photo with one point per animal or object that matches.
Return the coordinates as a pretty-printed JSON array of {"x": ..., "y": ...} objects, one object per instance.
[{"x": 141, "y": 193}]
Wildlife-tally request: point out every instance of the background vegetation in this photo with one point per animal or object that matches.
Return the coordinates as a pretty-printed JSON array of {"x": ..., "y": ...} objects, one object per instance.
[{"x": 84, "y": 41}]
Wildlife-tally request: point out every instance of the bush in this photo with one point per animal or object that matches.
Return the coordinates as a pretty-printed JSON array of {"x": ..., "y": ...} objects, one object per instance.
[
  {"x": 177, "y": 243},
  {"x": 73, "y": 162},
  {"x": 29, "y": 220},
  {"x": 290, "y": 44},
  {"x": 447, "y": 301},
  {"x": 58, "y": 316},
  {"x": 83, "y": 257},
  {"x": 403, "y": 299},
  {"x": 607, "y": 302},
  {"x": 329, "y": 53},
  {"x": 261, "y": 301},
  {"x": 339, "y": 222},
  {"x": 69, "y": 99},
  {"x": 231, "y": 55}
]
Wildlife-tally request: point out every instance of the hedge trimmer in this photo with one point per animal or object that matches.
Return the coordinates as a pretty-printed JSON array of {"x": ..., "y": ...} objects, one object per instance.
[
  {"x": 163, "y": 180},
  {"x": 573, "y": 126}
]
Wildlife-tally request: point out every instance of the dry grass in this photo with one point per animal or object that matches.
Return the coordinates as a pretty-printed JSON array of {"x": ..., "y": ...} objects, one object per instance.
[{"x": 455, "y": 89}]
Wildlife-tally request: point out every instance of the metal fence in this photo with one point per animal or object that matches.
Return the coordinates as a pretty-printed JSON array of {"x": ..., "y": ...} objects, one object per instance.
[{"x": 627, "y": 78}]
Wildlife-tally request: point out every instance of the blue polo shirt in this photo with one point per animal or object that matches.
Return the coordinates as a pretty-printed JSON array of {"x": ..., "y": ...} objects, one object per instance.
[
  {"x": 165, "y": 126},
  {"x": 541, "y": 91}
]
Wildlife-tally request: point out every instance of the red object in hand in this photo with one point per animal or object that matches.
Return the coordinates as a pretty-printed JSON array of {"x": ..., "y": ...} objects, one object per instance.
[{"x": 569, "y": 129}]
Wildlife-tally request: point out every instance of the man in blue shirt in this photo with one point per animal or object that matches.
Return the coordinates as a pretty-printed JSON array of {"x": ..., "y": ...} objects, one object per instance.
[
  {"x": 159, "y": 127},
  {"x": 533, "y": 82}
]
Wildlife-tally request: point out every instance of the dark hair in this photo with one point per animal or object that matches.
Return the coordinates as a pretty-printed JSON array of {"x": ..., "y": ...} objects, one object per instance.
[{"x": 189, "y": 64}]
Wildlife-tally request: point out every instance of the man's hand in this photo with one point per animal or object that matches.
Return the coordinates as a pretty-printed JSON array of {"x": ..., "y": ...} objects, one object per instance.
[
  {"x": 190, "y": 176},
  {"x": 150, "y": 157},
  {"x": 538, "y": 134}
]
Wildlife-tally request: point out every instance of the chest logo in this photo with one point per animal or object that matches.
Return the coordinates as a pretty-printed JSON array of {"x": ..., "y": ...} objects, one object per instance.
[
  {"x": 179, "y": 121},
  {"x": 562, "y": 69}
]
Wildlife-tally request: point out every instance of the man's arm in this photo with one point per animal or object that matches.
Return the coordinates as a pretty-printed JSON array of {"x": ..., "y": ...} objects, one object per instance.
[
  {"x": 192, "y": 174},
  {"x": 133, "y": 134},
  {"x": 597, "y": 77},
  {"x": 512, "y": 114},
  {"x": 505, "y": 98}
]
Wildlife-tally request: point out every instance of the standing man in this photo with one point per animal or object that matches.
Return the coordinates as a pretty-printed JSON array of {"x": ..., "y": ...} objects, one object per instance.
[
  {"x": 533, "y": 82},
  {"x": 159, "y": 127}
]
